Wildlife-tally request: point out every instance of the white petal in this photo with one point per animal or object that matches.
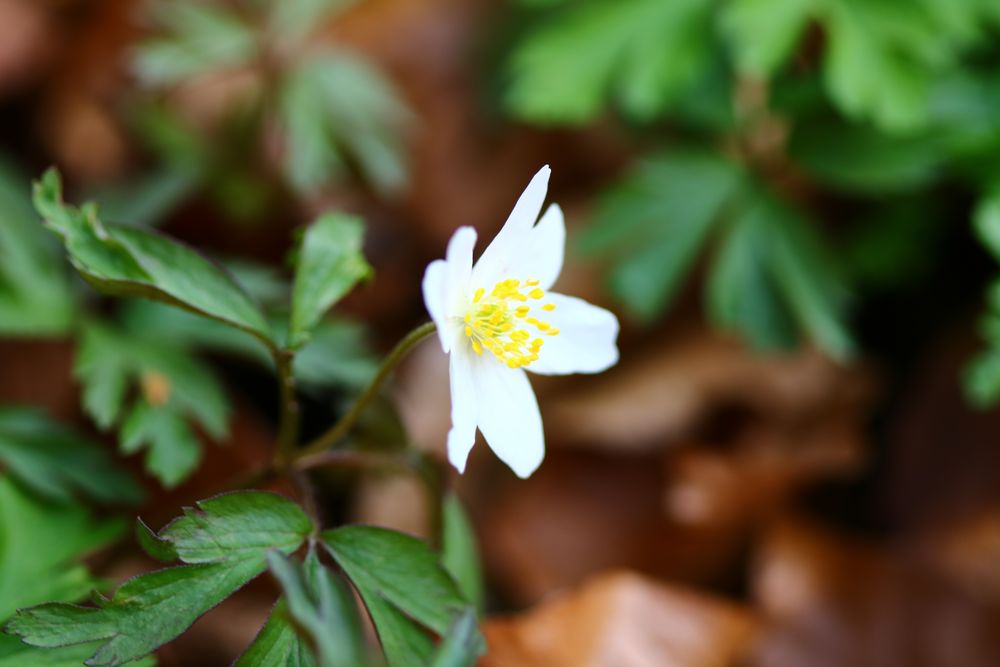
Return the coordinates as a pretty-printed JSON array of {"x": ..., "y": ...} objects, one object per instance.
[
  {"x": 508, "y": 415},
  {"x": 459, "y": 266},
  {"x": 435, "y": 288},
  {"x": 587, "y": 340},
  {"x": 495, "y": 262},
  {"x": 541, "y": 255},
  {"x": 446, "y": 283},
  {"x": 462, "y": 435}
]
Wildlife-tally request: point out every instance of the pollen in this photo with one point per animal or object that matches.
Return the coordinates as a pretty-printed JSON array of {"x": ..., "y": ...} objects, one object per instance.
[{"x": 502, "y": 321}]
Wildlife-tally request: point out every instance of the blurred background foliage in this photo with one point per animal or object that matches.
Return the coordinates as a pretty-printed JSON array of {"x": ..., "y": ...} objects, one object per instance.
[{"x": 806, "y": 177}]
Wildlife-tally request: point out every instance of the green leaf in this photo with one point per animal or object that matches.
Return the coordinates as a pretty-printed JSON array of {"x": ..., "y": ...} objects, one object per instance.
[
  {"x": 986, "y": 219},
  {"x": 773, "y": 280},
  {"x": 15, "y": 653},
  {"x": 39, "y": 546},
  {"x": 654, "y": 222},
  {"x": 764, "y": 33},
  {"x": 741, "y": 292},
  {"x": 879, "y": 60},
  {"x": 201, "y": 37},
  {"x": 227, "y": 538},
  {"x": 329, "y": 264},
  {"x": 34, "y": 291},
  {"x": 337, "y": 108},
  {"x": 236, "y": 526},
  {"x": 172, "y": 452},
  {"x": 278, "y": 643},
  {"x": 127, "y": 261},
  {"x": 399, "y": 578},
  {"x": 175, "y": 388},
  {"x": 338, "y": 353},
  {"x": 982, "y": 378},
  {"x": 146, "y": 612},
  {"x": 322, "y": 609},
  {"x": 146, "y": 200},
  {"x": 291, "y": 20},
  {"x": 57, "y": 464},
  {"x": 462, "y": 645},
  {"x": 860, "y": 158},
  {"x": 460, "y": 553},
  {"x": 643, "y": 53}
]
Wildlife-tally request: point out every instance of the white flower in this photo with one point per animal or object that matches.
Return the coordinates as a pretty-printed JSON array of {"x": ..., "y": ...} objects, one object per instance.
[{"x": 498, "y": 318}]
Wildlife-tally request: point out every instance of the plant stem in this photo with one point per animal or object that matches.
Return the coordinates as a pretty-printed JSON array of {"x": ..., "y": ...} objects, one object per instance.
[
  {"x": 288, "y": 430},
  {"x": 342, "y": 427}
]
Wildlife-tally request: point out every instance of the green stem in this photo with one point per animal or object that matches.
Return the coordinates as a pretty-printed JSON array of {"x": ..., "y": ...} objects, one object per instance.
[
  {"x": 342, "y": 427},
  {"x": 288, "y": 430}
]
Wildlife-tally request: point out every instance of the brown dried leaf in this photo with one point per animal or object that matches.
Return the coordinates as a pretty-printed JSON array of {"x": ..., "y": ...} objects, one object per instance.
[
  {"x": 670, "y": 390},
  {"x": 830, "y": 601},
  {"x": 621, "y": 619}
]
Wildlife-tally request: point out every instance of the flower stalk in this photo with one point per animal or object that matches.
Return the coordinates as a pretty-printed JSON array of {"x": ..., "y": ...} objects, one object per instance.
[{"x": 337, "y": 432}]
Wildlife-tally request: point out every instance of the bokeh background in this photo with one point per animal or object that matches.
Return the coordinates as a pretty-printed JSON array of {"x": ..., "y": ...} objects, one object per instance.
[{"x": 793, "y": 206}]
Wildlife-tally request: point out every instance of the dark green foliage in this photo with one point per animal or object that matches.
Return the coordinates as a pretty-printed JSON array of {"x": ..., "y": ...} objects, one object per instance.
[
  {"x": 329, "y": 264},
  {"x": 223, "y": 543},
  {"x": 57, "y": 464},
  {"x": 174, "y": 388},
  {"x": 321, "y": 608},
  {"x": 34, "y": 291},
  {"x": 770, "y": 278},
  {"x": 127, "y": 261},
  {"x": 404, "y": 588}
]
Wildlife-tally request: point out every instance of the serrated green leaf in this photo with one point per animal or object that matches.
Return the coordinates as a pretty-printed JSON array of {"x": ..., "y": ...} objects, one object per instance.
[
  {"x": 172, "y": 450},
  {"x": 39, "y": 544},
  {"x": 338, "y": 352},
  {"x": 399, "y": 578},
  {"x": 103, "y": 367},
  {"x": 764, "y": 33},
  {"x": 860, "y": 158},
  {"x": 654, "y": 222},
  {"x": 879, "y": 61},
  {"x": 146, "y": 612},
  {"x": 175, "y": 388},
  {"x": 234, "y": 532},
  {"x": 459, "y": 550},
  {"x": 15, "y": 653},
  {"x": 278, "y": 644},
  {"x": 236, "y": 526},
  {"x": 336, "y": 107},
  {"x": 201, "y": 37},
  {"x": 803, "y": 271},
  {"x": 322, "y": 609},
  {"x": 57, "y": 464},
  {"x": 741, "y": 293},
  {"x": 291, "y": 20},
  {"x": 330, "y": 263},
  {"x": 127, "y": 261},
  {"x": 773, "y": 280},
  {"x": 643, "y": 53}
]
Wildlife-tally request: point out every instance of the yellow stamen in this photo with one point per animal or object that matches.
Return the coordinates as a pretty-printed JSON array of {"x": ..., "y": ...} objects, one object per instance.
[{"x": 494, "y": 321}]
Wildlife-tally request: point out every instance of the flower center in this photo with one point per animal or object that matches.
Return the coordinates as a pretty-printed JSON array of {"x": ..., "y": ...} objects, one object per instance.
[{"x": 502, "y": 322}]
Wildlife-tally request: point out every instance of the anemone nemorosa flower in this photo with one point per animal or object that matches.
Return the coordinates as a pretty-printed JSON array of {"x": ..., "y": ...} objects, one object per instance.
[{"x": 497, "y": 319}]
